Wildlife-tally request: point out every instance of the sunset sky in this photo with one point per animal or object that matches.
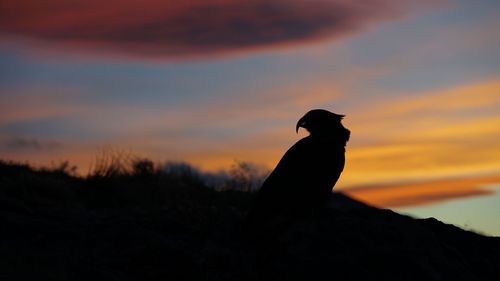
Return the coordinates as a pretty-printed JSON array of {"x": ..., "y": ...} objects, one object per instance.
[{"x": 213, "y": 81}]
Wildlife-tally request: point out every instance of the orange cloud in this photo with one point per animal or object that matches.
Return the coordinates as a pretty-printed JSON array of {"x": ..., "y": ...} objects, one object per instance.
[
  {"x": 420, "y": 193},
  {"x": 155, "y": 132},
  {"x": 154, "y": 28},
  {"x": 391, "y": 141},
  {"x": 428, "y": 135}
]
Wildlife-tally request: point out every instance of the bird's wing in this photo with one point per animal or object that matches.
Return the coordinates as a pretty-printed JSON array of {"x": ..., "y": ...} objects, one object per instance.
[
  {"x": 309, "y": 164},
  {"x": 290, "y": 174}
]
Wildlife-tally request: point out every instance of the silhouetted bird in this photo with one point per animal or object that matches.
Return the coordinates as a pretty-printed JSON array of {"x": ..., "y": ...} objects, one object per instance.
[{"x": 303, "y": 179}]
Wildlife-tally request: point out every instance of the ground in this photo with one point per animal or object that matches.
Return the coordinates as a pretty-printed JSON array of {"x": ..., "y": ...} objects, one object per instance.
[{"x": 150, "y": 227}]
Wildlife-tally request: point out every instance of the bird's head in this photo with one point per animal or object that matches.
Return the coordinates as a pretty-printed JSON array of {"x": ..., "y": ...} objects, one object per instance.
[{"x": 320, "y": 122}]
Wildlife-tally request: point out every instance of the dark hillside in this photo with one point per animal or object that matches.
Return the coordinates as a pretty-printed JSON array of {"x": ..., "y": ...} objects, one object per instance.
[{"x": 160, "y": 226}]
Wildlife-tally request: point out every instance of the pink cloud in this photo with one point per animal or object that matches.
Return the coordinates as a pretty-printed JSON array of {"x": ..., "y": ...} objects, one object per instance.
[
  {"x": 426, "y": 192},
  {"x": 153, "y": 28}
]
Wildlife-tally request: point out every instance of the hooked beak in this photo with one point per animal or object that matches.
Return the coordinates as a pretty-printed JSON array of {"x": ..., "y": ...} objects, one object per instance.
[{"x": 301, "y": 123}]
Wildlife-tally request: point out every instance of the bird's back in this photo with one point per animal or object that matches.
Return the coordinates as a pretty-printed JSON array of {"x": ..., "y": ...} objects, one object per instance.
[{"x": 302, "y": 180}]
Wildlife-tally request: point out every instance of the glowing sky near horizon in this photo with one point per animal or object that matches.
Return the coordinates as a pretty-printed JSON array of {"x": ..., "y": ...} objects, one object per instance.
[{"x": 212, "y": 81}]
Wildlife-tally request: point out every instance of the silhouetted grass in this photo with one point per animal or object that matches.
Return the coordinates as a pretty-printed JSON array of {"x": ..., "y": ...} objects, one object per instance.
[{"x": 121, "y": 181}]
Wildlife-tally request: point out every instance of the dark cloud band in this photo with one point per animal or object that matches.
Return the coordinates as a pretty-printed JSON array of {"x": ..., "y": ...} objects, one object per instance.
[
  {"x": 187, "y": 28},
  {"x": 30, "y": 144}
]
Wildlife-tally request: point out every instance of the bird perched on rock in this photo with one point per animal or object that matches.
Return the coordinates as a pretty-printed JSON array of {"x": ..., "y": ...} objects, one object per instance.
[{"x": 304, "y": 177}]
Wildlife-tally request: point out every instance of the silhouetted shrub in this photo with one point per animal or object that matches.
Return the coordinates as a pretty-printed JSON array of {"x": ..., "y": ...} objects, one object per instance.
[
  {"x": 246, "y": 176},
  {"x": 111, "y": 163},
  {"x": 44, "y": 187},
  {"x": 143, "y": 167},
  {"x": 63, "y": 168},
  {"x": 119, "y": 180},
  {"x": 182, "y": 173}
]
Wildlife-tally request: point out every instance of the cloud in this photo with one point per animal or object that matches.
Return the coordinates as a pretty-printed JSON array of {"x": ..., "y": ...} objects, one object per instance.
[
  {"x": 426, "y": 135},
  {"x": 153, "y": 28},
  {"x": 441, "y": 133},
  {"x": 421, "y": 193},
  {"x": 38, "y": 112},
  {"x": 19, "y": 143}
]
